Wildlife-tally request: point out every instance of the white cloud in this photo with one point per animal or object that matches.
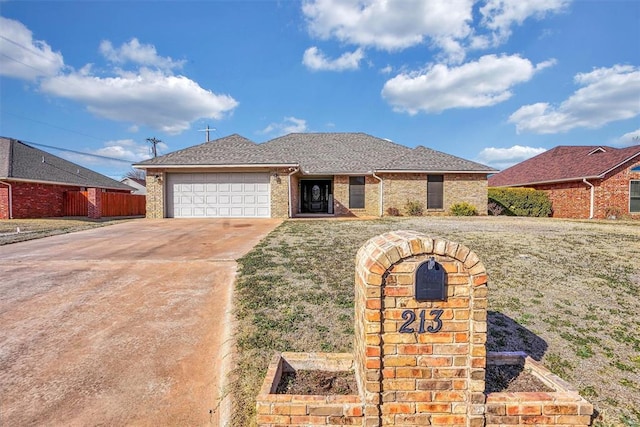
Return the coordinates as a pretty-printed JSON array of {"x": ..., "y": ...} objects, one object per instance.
[
  {"x": 288, "y": 125},
  {"x": 137, "y": 53},
  {"x": 129, "y": 149},
  {"x": 485, "y": 82},
  {"x": 503, "y": 158},
  {"x": 628, "y": 139},
  {"x": 607, "y": 95},
  {"x": 388, "y": 25},
  {"x": 500, "y": 15},
  {"x": 23, "y": 57},
  {"x": 448, "y": 26},
  {"x": 315, "y": 60},
  {"x": 151, "y": 98}
]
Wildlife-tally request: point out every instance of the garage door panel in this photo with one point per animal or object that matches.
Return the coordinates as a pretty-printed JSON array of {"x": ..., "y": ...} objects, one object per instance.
[{"x": 226, "y": 194}]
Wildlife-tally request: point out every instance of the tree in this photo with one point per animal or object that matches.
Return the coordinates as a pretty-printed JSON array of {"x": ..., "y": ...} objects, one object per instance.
[{"x": 136, "y": 174}]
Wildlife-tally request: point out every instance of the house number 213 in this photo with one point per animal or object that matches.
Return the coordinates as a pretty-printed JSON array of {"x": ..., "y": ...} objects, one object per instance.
[{"x": 410, "y": 317}]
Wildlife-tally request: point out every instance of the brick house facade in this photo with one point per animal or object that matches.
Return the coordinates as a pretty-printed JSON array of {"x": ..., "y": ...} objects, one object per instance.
[
  {"x": 33, "y": 183},
  {"x": 309, "y": 175},
  {"x": 582, "y": 181}
]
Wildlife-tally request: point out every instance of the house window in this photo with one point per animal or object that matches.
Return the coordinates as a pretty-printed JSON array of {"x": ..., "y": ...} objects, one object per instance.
[
  {"x": 435, "y": 191},
  {"x": 356, "y": 192},
  {"x": 634, "y": 196}
]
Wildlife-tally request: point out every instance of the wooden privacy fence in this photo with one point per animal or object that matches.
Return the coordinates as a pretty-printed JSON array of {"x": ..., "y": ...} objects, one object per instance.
[
  {"x": 123, "y": 204},
  {"x": 76, "y": 203}
]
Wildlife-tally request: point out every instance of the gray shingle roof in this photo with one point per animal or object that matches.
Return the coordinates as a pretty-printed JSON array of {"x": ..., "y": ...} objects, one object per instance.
[
  {"x": 230, "y": 150},
  {"x": 318, "y": 154},
  {"x": 426, "y": 159},
  {"x": 23, "y": 162}
]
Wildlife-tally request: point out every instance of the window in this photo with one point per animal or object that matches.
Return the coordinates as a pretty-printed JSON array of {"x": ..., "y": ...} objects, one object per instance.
[
  {"x": 356, "y": 192},
  {"x": 435, "y": 191},
  {"x": 634, "y": 196}
]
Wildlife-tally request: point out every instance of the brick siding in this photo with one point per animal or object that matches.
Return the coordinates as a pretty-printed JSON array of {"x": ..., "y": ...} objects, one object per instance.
[
  {"x": 573, "y": 199},
  {"x": 4, "y": 201},
  {"x": 155, "y": 193},
  {"x": 34, "y": 200},
  {"x": 400, "y": 188}
]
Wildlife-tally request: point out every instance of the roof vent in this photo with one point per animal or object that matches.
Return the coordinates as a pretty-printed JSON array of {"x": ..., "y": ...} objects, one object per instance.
[
  {"x": 597, "y": 150},
  {"x": 42, "y": 159}
]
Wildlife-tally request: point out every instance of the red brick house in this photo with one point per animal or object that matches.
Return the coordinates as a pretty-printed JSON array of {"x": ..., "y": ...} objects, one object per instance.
[
  {"x": 582, "y": 181},
  {"x": 33, "y": 182}
]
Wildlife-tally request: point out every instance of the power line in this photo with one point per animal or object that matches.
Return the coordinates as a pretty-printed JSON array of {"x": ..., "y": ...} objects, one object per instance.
[
  {"x": 52, "y": 125},
  {"x": 80, "y": 152},
  {"x": 26, "y": 65},
  {"x": 28, "y": 49}
]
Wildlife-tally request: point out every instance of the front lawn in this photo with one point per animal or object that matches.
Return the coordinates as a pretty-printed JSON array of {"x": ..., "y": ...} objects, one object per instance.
[
  {"x": 567, "y": 292},
  {"x": 20, "y": 230}
]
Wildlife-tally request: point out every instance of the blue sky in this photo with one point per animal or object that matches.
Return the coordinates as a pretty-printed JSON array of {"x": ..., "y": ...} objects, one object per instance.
[{"x": 495, "y": 81}]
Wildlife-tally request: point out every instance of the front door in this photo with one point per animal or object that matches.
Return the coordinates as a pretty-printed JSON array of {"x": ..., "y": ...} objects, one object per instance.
[{"x": 317, "y": 196}]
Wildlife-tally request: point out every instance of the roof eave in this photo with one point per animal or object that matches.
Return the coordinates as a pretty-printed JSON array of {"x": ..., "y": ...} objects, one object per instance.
[
  {"x": 555, "y": 181},
  {"x": 67, "y": 184},
  {"x": 435, "y": 171},
  {"x": 619, "y": 164},
  {"x": 203, "y": 166}
]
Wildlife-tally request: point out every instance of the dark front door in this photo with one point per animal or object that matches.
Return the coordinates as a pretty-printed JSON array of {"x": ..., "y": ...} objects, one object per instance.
[{"x": 316, "y": 196}]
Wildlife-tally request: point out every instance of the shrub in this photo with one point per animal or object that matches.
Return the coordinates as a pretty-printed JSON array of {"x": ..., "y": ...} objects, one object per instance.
[
  {"x": 463, "y": 209},
  {"x": 393, "y": 211},
  {"x": 521, "y": 201},
  {"x": 414, "y": 208},
  {"x": 495, "y": 208}
]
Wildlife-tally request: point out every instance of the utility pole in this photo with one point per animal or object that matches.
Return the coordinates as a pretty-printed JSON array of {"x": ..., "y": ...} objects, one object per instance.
[
  {"x": 154, "y": 142},
  {"x": 207, "y": 132}
]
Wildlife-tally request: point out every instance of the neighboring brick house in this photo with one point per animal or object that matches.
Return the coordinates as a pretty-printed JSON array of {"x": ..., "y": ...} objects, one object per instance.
[
  {"x": 33, "y": 182},
  {"x": 307, "y": 174},
  {"x": 582, "y": 181}
]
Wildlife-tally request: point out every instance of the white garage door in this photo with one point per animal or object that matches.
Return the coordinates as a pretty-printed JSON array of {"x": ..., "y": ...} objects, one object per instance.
[{"x": 222, "y": 195}]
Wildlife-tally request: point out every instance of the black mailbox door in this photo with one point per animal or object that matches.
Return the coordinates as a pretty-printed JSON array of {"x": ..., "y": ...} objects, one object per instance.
[{"x": 430, "y": 282}]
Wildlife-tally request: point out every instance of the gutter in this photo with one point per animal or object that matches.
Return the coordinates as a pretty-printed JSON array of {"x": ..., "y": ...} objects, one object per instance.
[
  {"x": 381, "y": 192},
  {"x": 593, "y": 189},
  {"x": 295, "y": 170},
  {"x": 10, "y": 199}
]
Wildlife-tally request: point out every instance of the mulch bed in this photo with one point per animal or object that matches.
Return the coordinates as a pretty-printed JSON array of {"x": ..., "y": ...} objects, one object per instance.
[{"x": 502, "y": 378}]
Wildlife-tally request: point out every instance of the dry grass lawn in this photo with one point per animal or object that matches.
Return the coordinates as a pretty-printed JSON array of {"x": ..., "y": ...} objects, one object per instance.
[
  {"x": 38, "y": 228},
  {"x": 567, "y": 292}
]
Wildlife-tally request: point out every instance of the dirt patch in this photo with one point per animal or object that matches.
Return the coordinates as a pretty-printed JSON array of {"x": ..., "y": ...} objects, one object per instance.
[
  {"x": 512, "y": 379},
  {"x": 321, "y": 383}
]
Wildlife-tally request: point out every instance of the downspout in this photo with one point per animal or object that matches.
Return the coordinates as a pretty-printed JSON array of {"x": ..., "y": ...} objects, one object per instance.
[
  {"x": 10, "y": 199},
  {"x": 381, "y": 192},
  {"x": 295, "y": 170},
  {"x": 593, "y": 195}
]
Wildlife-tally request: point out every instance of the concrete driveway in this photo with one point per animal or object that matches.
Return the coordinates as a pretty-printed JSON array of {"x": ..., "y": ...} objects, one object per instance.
[{"x": 119, "y": 325}]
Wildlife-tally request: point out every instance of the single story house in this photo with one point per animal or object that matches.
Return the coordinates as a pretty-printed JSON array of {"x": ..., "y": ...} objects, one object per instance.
[
  {"x": 582, "y": 181},
  {"x": 139, "y": 185},
  {"x": 33, "y": 183},
  {"x": 307, "y": 174}
]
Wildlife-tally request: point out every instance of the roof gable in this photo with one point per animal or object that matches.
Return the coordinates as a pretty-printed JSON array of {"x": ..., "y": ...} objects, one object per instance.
[
  {"x": 24, "y": 162},
  {"x": 565, "y": 163},
  {"x": 230, "y": 150}
]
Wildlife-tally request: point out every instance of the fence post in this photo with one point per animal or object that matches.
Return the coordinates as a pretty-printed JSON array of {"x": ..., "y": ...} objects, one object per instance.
[{"x": 95, "y": 202}]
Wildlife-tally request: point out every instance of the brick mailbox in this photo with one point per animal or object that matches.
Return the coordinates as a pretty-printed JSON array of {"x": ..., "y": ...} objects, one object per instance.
[
  {"x": 420, "y": 361},
  {"x": 419, "y": 350}
]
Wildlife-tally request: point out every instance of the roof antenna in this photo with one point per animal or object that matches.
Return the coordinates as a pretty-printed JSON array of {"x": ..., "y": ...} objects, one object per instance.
[{"x": 207, "y": 132}]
